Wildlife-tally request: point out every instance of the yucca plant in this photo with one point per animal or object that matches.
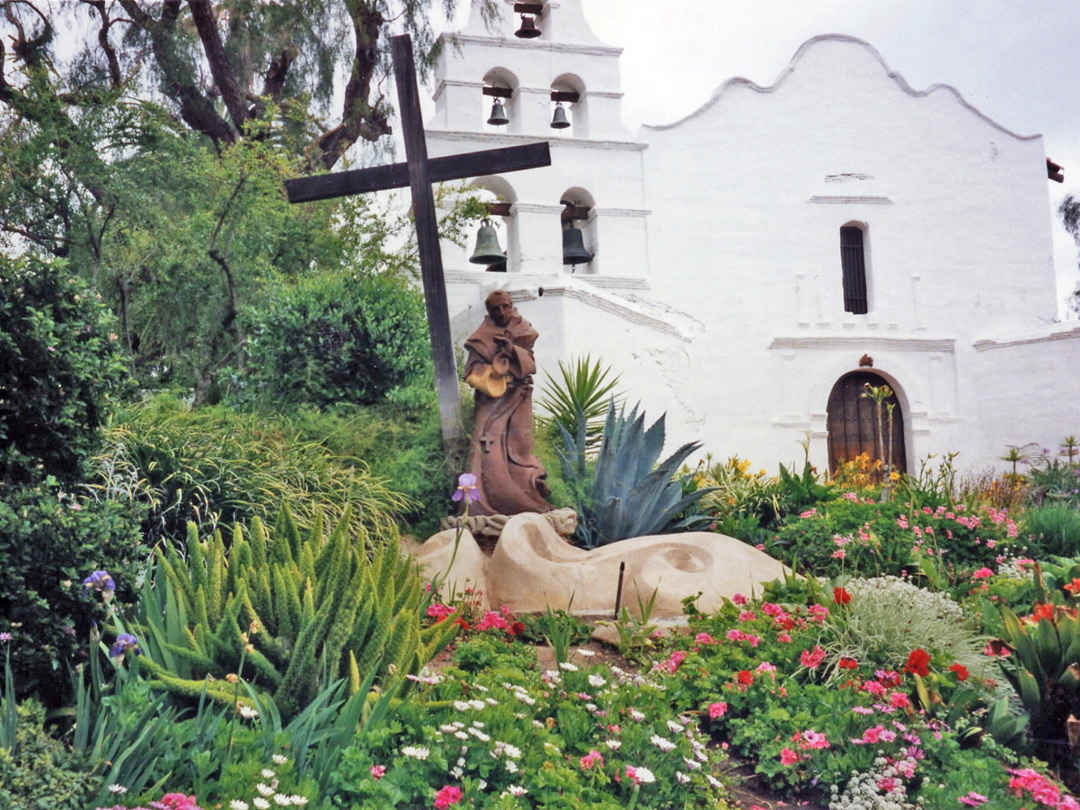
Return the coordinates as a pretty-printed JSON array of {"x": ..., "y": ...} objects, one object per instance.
[
  {"x": 585, "y": 393},
  {"x": 626, "y": 493},
  {"x": 286, "y": 613}
]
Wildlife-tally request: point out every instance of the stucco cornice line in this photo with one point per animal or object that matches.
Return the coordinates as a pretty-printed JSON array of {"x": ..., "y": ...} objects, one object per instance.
[
  {"x": 901, "y": 82},
  {"x": 508, "y": 138},
  {"x": 830, "y": 199},
  {"x": 626, "y": 313},
  {"x": 986, "y": 345},
  {"x": 622, "y": 212},
  {"x": 861, "y": 342},
  {"x": 532, "y": 45}
]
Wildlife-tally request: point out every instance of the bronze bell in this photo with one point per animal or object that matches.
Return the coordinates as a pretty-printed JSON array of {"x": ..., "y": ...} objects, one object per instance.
[
  {"x": 573, "y": 247},
  {"x": 487, "y": 245},
  {"x": 559, "y": 120},
  {"x": 528, "y": 28},
  {"x": 498, "y": 114}
]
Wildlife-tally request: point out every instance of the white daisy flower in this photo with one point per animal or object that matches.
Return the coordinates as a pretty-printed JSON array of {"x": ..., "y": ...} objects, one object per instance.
[
  {"x": 461, "y": 705},
  {"x": 517, "y": 790},
  {"x": 692, "y": 764},
  {"x": 566, "y": 666},
  {"x": 415, "y": 751},
  {"x": 247, "y": 712},
  {"x": 662, "y": 743},
  {"x": 596, "y": 680},
  {"x": 236, "y": 804},
  {"x": 260, "y": 803},
  {"x": 461, "y": 735},
  {"x": 264, "y": 790},
  {"x": 614, "y": 745},
  {"x": 681, "y": 777},
  {"x": 586, "y": 653},
  {"x": 299, "y": 801},
  {"x": 447, "y": 728},
  {"x": 636, "y": 715},
  {"x": 477, "y": 704},
  {"x": 512, "y": 751},
  {"x": 644, "y": 775},
  {"x": 117, "y": 789},
  {"x": 511, "y": 766},
  {"x": 267, "y": 773},
  {"x": 674, "y": 727},
  {"x": 282, "y": 800},
  {"x": 480, "y": 735},
  {"x": 279, "y": 759},
  {"x": 716, "y": 783}
]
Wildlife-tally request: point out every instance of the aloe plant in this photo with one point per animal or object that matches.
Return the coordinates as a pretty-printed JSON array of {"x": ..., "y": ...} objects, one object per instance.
[
  {"x": 626, "y": 493},
  {"x": 287, "y": 613}
]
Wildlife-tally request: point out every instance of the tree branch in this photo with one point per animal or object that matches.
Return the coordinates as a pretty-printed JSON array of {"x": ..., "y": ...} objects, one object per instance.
[
  {"x": 196, "y": 109},
  {"x": 224, "y": 76},
  {"x": 359, "y": 119},
  {"x": 103, "y": 40}
]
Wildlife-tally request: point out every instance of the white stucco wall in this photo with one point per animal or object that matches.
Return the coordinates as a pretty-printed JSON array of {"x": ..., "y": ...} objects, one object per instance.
[{"x": 716, "y": 291}]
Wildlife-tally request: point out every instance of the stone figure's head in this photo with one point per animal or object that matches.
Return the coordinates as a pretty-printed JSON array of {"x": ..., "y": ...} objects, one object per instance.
[{"x": 500, "y": 307}]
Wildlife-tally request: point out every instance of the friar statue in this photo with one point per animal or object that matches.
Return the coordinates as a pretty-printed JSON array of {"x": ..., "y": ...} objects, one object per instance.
[{"x": 500, "y": 365}]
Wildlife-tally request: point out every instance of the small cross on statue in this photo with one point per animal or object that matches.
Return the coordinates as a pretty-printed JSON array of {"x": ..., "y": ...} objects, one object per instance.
[{"x": 419, "y": 173}]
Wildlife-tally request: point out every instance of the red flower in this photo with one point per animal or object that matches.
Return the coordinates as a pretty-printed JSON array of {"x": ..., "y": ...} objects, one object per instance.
[
  {"x": 848, "y": 663},
  {"x": 960, "y": 670},
  {"x": 918, "y": 663},
  {"x": 1042, "y": 612},
  {"x": 746, "y": 677},
  {"x": 448, "y": 796},
  {"x": 516, "y": 629},
  {"x": 840, "y": 596}
]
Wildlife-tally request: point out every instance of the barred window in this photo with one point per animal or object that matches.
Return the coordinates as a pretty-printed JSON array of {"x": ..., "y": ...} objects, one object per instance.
[{"x": 853, "y": 261}]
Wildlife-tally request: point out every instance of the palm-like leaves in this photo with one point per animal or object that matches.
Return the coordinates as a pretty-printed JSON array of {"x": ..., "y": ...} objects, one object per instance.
[
  {"x": 628, "y": 494},
  {"x": 586, "y": 389}
]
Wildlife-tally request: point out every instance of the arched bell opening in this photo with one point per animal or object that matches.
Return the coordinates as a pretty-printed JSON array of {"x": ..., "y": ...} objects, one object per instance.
[
  {"x": 500, "y": 109},
  {"x": 569, "y": 107},
  {"x": 497, "y": 234},
  {"x": 852, "y": 422},
  {"x": 579, "y": 231}
]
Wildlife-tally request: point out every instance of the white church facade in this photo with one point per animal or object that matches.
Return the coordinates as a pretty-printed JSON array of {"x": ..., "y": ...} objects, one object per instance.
[{"x": 757, "y": 262}]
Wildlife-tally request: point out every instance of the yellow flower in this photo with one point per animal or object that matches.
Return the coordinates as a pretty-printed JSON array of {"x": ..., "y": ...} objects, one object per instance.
[{"x": 231, "y": 678}]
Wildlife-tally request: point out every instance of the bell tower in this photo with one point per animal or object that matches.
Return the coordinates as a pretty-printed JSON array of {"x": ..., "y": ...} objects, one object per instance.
[{"x": 538, "y": 72}]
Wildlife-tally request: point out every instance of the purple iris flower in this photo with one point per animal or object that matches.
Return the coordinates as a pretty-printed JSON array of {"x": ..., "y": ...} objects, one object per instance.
[
  {"x": 124, "y": 642},
  {"x": 466, "y": 488},
  {"x": 98, "y": 581}
]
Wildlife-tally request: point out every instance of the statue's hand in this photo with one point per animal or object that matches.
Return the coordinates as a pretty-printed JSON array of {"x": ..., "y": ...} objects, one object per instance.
[{"x": 501, "y": 364}]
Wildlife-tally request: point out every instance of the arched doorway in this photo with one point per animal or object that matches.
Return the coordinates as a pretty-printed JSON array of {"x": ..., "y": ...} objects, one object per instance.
[{"x": 852, "y": 421}]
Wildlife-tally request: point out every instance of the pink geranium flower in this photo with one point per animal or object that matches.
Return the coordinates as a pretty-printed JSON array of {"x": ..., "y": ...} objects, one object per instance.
[{"x": 447, "y": 796}]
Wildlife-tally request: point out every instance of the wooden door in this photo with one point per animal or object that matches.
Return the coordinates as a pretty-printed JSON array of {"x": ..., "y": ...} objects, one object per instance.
[{"x": 852, "y": 422}]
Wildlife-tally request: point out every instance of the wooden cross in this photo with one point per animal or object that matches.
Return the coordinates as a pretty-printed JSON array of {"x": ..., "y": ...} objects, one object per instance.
[{"x": 419, "y": 173}]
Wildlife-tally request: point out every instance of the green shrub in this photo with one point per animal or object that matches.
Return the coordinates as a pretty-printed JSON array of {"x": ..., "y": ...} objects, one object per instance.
[
  {"x": 214, "y": 466},
  {"x": 291, "y": 615},
  {"x": 60, "y": 362},
  {"x": 41, "y": 772},
  {"x": 888, "y": 617},
  {"x": 331, "y": 339},
  {"x": 1054, "y": 529},
  {"x": 398, "y": 444},
  {"x": 50, "y": 540}
]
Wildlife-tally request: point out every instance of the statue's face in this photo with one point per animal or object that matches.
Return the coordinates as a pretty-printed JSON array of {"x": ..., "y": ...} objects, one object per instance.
[{"x": 500, "y": 311}]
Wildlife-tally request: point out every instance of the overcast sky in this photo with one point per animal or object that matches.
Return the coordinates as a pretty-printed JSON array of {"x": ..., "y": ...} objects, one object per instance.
[{"x": 1018, "y": 61}]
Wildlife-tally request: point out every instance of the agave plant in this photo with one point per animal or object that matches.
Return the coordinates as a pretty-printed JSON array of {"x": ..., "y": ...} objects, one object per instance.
[
  {"x": 584, "y": 394},
  {"x": 626, "y": 493}
]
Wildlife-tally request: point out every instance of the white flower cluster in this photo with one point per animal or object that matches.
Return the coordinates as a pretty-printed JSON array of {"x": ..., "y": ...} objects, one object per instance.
[
  {"x": 268, "y": 796},
  {"x": 903, "y": 596},
  {"x": 880, "y": 788}
]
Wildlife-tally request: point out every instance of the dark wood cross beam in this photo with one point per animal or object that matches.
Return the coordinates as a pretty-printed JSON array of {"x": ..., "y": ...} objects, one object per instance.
[{"x": 419, "y": 173}]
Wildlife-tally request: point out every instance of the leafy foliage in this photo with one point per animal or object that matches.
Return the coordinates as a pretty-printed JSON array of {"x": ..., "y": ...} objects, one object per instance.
[
  {"x": 586, "y": 387},
  {"x": 50, "y": 539},
  {"x": 214, "y": 466},
  {"x": 1054, "y": 529},
  {"x": 331, "y": 339},
  {"x": 60, "y": 364},
  {"x": 286, "y": 613},
  {"x": 627, "y": 494},
  {"x": 40, "y": 771}
]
